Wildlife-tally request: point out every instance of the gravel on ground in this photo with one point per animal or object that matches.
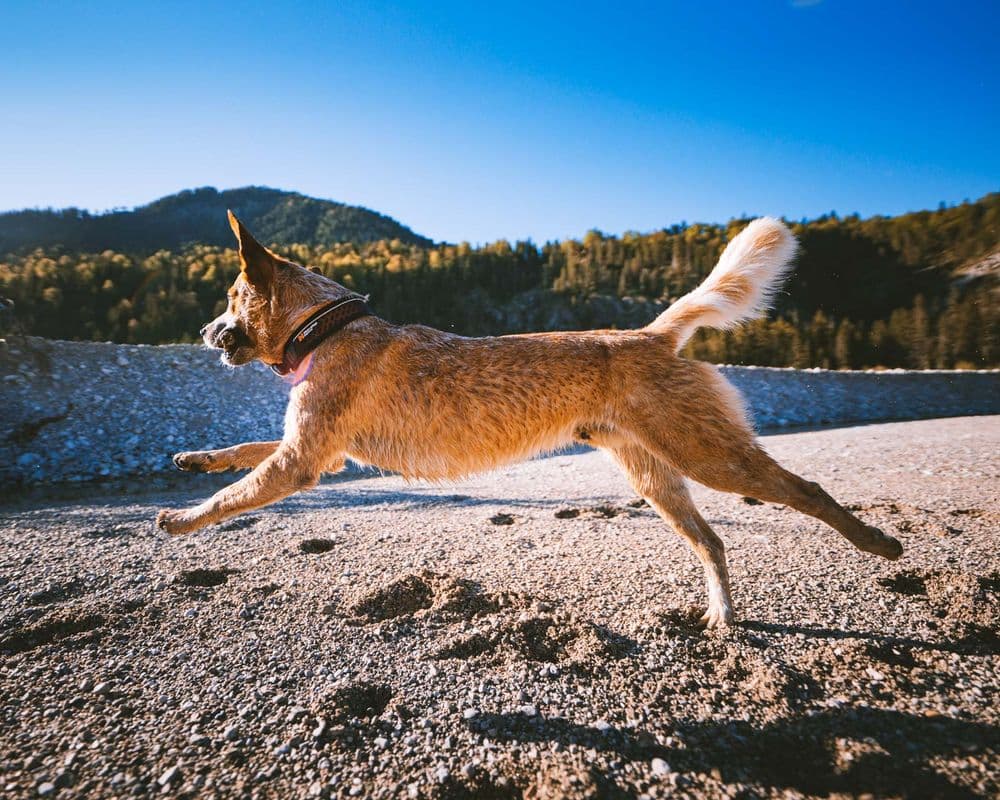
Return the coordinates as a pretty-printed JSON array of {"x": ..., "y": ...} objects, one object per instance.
[{"x": 524, "y": 634}]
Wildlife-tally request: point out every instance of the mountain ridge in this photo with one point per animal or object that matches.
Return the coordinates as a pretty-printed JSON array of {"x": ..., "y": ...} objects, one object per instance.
[{"x": 195, "y": 216}]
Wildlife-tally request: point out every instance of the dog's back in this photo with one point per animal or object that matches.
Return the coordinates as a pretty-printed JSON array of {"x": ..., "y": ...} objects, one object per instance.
[{"x": 464, "y": 405}]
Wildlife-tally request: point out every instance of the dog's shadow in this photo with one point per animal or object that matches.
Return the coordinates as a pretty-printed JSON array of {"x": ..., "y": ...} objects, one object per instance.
[
  {"x": 974, "y": 641},
  {"x": 789, "y": 754}
]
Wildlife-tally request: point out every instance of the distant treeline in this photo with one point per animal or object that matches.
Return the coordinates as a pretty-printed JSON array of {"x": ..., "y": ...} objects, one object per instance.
[{"x": 918, "y": 290}]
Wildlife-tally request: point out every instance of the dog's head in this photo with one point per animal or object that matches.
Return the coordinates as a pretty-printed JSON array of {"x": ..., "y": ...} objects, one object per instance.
[{"x": 269, "y": 299}]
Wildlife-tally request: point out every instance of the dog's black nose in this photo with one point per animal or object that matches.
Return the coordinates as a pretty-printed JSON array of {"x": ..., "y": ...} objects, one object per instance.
[{"x": 203, "y": 329}]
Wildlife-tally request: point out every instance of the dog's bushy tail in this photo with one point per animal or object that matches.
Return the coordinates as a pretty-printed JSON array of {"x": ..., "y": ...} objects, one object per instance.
[{"x": 741, "y": 286}]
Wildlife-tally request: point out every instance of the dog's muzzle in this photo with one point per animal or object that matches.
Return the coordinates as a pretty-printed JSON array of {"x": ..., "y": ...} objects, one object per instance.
[{"x": 224, "y": 337}]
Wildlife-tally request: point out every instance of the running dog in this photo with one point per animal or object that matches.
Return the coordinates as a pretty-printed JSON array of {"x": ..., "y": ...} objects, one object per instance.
[{"x": 434, "y": 405}]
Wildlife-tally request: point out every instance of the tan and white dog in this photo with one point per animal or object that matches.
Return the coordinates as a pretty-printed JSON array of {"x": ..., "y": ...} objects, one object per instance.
[{"x": 429, "y": 404}]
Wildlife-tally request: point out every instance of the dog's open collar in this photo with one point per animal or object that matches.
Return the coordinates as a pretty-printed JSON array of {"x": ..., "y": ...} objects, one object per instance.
[{"x": 320, "y": 325}]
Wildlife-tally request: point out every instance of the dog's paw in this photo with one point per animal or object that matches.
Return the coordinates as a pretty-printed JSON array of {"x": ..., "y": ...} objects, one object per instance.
[
  {"x": 881, "y": 544},
  {"x": 193, "y": 462},
  {"x": 718, "y": 615},
  {"x": 176, "y": 523}
]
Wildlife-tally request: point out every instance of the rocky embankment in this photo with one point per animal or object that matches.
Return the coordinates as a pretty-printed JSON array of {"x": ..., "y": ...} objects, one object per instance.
[{"x": 77, "y": 411}]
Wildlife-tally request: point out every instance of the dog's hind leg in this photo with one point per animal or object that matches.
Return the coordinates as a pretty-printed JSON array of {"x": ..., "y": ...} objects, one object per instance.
[
  {"x": 240, "y": 456},
  {"x": 665, "y": 490},
  {"x": 721, "y": 453},
  {"x": 697, "y": 425},
  {"x": 753, "y": 472}
]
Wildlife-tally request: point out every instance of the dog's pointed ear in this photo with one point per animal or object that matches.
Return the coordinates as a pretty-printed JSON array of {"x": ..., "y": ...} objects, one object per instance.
[{"x": 256, "y": 261}]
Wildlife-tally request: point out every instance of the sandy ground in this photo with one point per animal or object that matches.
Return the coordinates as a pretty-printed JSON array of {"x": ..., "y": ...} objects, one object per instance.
[{"x": 521, "y": 634}]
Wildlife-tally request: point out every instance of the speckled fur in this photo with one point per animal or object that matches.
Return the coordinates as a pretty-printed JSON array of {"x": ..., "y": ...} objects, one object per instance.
[{"x": 432, "y": 405}]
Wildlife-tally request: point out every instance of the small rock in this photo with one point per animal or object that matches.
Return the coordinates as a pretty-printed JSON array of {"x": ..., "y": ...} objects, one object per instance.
[
  {"x": 659, "y": 767},
  {"x": 232, "y": 733},
  {"x": 442, "y": 774},
  {"x": 875, "y": 675},
  {"x": 169, "y": 776},
  {"x": 469, "y": 713},
  {"x": 27, "y": 460},
  {"x": 46, "y": 788}
]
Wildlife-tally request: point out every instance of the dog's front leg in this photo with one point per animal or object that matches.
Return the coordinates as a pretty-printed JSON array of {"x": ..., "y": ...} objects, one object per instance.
[
  {"x": 240, "y": 456},
  {"x": 286, "y": 471}
]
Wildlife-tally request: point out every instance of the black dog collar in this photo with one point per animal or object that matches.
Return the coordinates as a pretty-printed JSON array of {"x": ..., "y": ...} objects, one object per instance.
[{"x": 320, "y": 325}]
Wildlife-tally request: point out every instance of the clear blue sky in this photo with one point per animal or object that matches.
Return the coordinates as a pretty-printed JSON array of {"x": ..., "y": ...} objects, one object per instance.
[{"x": 478, "y": 121}]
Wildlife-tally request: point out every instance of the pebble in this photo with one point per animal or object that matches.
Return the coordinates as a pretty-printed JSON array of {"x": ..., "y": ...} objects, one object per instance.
[
  {"x": 46, "y": 788},
  {"x": 169, "y": 776},
  {"x": 659, "y": 767}
]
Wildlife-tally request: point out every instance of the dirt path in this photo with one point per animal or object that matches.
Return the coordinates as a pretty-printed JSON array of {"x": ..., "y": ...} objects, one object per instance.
[{"x": 522, "y": 634}]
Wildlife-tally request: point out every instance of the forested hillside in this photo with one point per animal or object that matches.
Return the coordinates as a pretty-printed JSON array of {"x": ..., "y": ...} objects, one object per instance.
[
  {"x": 918, "y": 290},
  {"x": 194, "y": 216}
]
